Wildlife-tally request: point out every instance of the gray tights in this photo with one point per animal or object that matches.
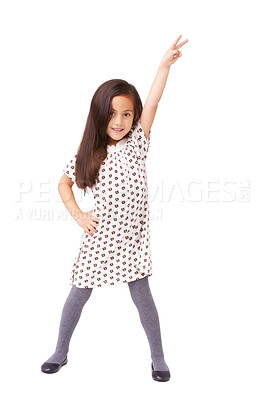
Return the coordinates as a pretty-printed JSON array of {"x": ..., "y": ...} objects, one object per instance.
[{"x": 143, "y": 300}]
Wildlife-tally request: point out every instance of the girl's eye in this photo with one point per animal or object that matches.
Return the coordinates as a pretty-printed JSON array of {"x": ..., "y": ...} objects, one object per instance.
[{"x": 111, "y": 113}]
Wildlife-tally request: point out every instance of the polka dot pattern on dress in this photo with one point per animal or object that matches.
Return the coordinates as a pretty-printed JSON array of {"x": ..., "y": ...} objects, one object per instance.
[{"x": 119, "y": 250}]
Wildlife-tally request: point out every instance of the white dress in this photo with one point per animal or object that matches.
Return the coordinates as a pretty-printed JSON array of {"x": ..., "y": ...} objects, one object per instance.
[{"x": 119, "y": 249}]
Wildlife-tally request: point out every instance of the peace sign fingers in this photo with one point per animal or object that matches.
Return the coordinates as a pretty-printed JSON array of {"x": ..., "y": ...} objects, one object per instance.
[
  {"x": 173, "y": 52},
  {"x": 175, "y": 46}
]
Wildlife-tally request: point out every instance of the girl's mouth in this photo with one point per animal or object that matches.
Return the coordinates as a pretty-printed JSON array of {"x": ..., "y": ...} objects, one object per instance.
[{"x": 117, "y": 130}]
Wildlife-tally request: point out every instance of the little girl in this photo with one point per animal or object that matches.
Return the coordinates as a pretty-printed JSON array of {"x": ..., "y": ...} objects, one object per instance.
[{"x": 115, "y": 244}]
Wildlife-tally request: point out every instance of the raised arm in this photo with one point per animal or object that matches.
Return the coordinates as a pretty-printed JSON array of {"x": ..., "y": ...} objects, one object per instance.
[{"x": 156, "y": 91}]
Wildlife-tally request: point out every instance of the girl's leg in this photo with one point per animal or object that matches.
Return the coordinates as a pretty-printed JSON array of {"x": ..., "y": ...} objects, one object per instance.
[
  {"x": 70, "y": 316},
  {"x": 143, "y": 300}
]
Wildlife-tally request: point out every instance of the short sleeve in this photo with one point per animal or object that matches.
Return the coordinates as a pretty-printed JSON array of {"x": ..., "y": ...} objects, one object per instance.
[
  {"x": 69, "y": 169},
  {"x": 142, "y": 142}
]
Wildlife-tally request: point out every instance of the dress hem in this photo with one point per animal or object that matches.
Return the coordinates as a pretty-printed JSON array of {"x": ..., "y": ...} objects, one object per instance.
[{"x": 108, "y": 284}]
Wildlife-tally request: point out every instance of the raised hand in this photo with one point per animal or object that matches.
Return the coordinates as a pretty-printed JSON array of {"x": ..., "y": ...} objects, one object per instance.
[{"x": 173, "y": 53}]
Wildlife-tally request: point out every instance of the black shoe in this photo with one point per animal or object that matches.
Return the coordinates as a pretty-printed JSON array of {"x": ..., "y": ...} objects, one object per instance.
[
  {"x": 50, "y": 368},
  {"x": 160, "y": 376}
]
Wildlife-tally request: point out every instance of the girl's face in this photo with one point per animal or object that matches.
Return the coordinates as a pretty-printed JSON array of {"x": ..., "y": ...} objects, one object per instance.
[{"x": 122, "y": 115}]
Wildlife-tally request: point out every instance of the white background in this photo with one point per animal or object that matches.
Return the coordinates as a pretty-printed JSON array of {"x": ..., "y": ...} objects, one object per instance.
[{"x": 206, "y": 175}]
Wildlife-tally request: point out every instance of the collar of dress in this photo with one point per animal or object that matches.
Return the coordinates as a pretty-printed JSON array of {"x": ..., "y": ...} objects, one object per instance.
[{"x": 119, "y": 145}]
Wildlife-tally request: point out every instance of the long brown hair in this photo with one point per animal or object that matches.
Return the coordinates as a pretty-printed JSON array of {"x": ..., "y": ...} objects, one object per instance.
[{"x": 93, "y": 146}]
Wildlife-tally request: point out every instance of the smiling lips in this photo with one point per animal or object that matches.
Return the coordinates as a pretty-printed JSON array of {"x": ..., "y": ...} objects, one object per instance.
[{"x": 117, "y": 130}]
